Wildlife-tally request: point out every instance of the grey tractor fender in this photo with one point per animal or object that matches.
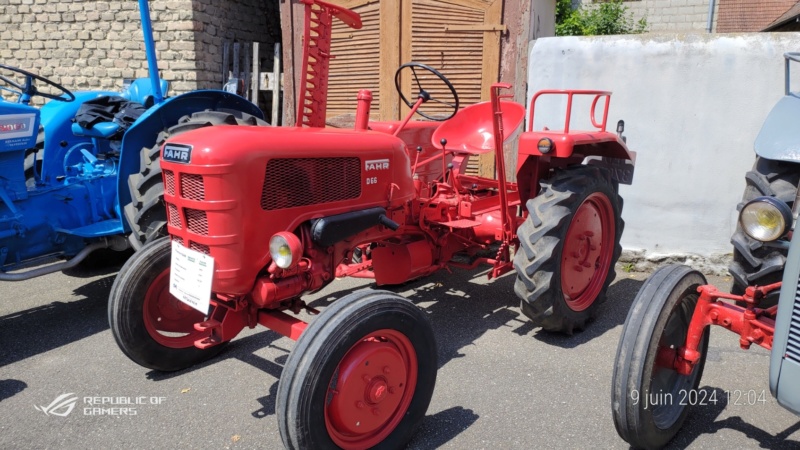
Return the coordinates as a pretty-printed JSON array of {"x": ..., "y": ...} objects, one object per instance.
[{"x": 778, "y": 138}]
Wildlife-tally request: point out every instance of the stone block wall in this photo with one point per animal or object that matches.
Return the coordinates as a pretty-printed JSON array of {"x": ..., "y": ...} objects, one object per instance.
[
  {"x": 668, "y": 15},
  {"x": 673, "y": 15},
  {"x": 88, "y": 44}
]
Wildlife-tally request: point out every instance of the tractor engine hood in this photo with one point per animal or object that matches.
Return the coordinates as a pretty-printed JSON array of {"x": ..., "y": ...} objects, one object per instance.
[{"x": 228, "y": 189}]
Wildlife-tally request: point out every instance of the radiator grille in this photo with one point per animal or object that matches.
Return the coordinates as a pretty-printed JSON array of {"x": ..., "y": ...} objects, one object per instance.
[
  {"x": 199, "y": 247},
  {"x": 793, "y": 344},
  {"x": 174, "y": 216},
  {"x": 192, "y": 187},
  {"x": 293, "y": 182},
  {"x": 169, "y": 182},
  {"x": 196, "y": 221},
  {"x": 193, "y": 245}
]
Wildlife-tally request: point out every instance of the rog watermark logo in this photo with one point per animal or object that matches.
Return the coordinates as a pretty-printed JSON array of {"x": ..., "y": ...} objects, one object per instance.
[{"x": 61, "y": 406}]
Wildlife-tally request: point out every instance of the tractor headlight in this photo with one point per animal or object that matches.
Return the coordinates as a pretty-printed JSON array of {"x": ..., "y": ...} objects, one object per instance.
[
  {"x": 765, "y": 218},
  {"x": 285, "y": 249}
]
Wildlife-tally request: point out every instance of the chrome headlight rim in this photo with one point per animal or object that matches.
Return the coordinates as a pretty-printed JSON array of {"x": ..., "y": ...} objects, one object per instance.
[{"x": 755, "y": 215}]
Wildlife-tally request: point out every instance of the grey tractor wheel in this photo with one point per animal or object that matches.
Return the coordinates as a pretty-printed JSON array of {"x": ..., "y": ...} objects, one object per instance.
[
  {"x": 146, "y": 213},
  {"x": 568, "y": 247},
  {"x": 649, "y": 398},
  {"x": 753, "y": 262}
]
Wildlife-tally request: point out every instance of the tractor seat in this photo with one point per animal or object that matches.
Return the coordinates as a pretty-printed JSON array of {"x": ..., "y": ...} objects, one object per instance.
[
  {"x": 140, "y": 91},
  {"x": 103, "y": 130},
  {"x": 470, "y": 130}
]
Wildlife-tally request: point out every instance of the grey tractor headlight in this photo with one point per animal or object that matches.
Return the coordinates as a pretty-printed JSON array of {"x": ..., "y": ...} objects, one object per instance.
[{"x": 765, "y": 219}]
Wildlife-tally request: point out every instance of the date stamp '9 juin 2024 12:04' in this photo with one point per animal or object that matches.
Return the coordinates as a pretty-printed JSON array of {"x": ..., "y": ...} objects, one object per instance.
[{"x": 700, "y": 397}]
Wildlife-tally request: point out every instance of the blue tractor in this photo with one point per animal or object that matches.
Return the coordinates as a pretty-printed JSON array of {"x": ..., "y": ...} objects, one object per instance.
[{"x": 82, "y": 172}]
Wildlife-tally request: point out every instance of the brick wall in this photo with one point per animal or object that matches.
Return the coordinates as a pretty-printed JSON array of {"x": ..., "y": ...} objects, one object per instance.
[{"x": 89, "y": 44}]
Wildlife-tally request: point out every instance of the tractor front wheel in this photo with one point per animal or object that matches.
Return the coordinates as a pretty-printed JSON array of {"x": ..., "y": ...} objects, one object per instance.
[
  {"x": 150, "y": 325},
  {"x": 146, "y": 213},
  {"x": 568, "y": 247},
  {"x": 648, "y": 396},
  {"x": 361, "y": 375}
]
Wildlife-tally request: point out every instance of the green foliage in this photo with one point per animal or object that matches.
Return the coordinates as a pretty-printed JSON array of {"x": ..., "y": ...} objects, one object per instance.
[{"x": 607, "y": 18}]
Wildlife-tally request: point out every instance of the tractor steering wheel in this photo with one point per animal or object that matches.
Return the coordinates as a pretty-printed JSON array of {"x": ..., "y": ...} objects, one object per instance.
[
  {"x": 423, "y": 94},
  {"x": 28, "y": 89}
]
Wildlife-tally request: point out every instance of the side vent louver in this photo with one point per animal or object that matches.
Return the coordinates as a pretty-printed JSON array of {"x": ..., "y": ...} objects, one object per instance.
[
  {"x": 793, "y": 344},
  {"x": 293, "y": 182}
]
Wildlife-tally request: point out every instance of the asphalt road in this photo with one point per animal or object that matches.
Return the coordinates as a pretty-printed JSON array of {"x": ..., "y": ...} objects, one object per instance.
[{"x": 502, "y": 384}]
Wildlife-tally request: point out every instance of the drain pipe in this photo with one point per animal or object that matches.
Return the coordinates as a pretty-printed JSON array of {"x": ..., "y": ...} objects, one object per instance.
[{"x": 710, "y": 24}]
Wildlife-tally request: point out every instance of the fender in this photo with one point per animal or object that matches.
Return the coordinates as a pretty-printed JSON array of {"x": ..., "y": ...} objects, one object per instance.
[
  {"x": 778, "y": 138},
  {"x": 589, "y": 143},
  {"x": 144, "y": 132}
]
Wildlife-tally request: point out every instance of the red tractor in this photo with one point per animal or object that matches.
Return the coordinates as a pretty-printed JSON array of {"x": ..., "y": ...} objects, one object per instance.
[{"x": 260, "y": 216}]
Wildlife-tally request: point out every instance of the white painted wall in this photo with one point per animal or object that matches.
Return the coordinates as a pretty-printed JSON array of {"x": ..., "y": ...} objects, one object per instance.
[{"x": 692, "y": 105}]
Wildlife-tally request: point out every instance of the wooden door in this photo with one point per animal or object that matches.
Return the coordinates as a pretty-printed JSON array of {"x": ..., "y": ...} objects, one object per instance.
[{"x": 460, "y": 38}]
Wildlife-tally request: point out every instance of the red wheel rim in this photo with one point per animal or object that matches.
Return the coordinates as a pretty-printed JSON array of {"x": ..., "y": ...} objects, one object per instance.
[
  {"x": 588, "y": 250},
  {"x": 371, "y": 390},
  {"x": 169, "y": 321}
]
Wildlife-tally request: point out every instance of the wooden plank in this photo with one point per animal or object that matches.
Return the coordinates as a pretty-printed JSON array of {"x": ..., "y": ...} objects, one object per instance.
[
  {"x": 276, "y": 85},
  {"x": 490, "y": 73},
  {"x": 491, "y": 49},
  {"x": 254, "y": 88},
  {"x": 487, "y": 27},
  {"x": 225, "y": 61},
  {"x": 406, "y": 13},
  {"x": 389, "y": 109},
  {"x": 291, "y": 36},
  {"x": 235, "y": 59},
  {"x": 474, "y": 4},
  {"x": 245, "y": 76}
]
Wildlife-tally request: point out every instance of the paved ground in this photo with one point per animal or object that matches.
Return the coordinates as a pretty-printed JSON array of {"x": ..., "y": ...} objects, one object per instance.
[{"x": 501, "y": 384}]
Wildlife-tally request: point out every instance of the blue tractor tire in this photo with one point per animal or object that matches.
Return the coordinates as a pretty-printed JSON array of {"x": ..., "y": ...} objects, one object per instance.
[{"x": 146, "y": 213}]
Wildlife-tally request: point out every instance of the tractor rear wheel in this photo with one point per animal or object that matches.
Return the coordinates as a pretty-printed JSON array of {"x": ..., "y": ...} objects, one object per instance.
[
  {"x": 753, "y": 262},
  {"x": 361, "y": 375},
  {"x": 146, "y": 213},
  {"x": 33, "y": 160},
  {"x": 649, "y": 398},
  {"x": 152, "y": 327},
  {"x": 568, "y": 247}
]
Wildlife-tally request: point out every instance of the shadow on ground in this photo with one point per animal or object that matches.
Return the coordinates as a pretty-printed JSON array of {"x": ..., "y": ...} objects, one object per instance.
[
  {"x": 702, "y": 420},
  {"x": 462, "y": 307},
  {"x": 44, "y": 328},
  {"x": 10, "y": 388}
]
